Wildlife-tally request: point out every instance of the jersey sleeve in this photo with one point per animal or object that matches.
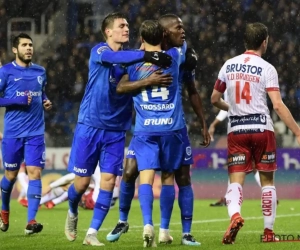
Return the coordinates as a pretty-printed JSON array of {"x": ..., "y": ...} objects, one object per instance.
[
  {"x": 2, "y": 79},
  {"x": 271, "y": 78},
  {"x": 220, "y": 84},
  {"x": 104, "y": 54}
]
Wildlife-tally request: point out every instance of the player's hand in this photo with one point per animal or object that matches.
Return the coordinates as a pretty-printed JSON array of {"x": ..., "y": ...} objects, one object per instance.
[
  {"x": 211, "y": 131},
  {"x": 47, "y": 105},
  {"x": 191, "y": 59},
  {"x": 29, "y": 100},
  {"x": 23, "y": 100},
  {"x": 158, "y": 78},
  {"x": 206, "y": 138},
  {"x": 160, "y": 59}
]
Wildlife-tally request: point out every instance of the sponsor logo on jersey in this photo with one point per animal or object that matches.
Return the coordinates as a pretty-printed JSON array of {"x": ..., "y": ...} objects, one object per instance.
[
  {"x": 168, "y": 106},
  {"x": 236, "y": 159},
  {"x": 10, "y": 165},
  {"x": 29, "y": 93},
  {"x": 268, "y": 157},
  {"x": 160, "y": 121},
  {"x": 247, "y": 119},
  {"x": 239, "y": 67},
  {"x": 80, "y": 170}
]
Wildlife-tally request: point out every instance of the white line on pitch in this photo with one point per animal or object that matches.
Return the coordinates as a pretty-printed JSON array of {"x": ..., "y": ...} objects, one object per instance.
[{"x": 211, "y": 221}]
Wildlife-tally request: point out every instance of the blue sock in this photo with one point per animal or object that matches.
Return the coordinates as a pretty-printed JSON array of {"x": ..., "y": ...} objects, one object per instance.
[
  {"x": 146, "y": 202},
  {"x": 6, "y": 188},
  {"x": 101, "y": 208},
  {"x": 186, "y": 204},
  {"x": 126, "y": 196},
  {"x": 167, "y": 197},
  {"x": 74, "y": 198},
  {"x": 34, "y": 194}
]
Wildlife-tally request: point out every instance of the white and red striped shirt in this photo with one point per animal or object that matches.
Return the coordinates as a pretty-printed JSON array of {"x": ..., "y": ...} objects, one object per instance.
[{"x": 247, "y": 79}]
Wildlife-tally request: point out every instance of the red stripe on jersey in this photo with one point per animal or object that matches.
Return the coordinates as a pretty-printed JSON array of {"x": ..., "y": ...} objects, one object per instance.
[
  {"x": 220, "y": 86},
  {"x": 272, "y": 89}
]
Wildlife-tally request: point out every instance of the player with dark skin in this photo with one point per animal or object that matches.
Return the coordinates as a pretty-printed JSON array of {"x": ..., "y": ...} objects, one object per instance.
[{"x": 174, "y": 35}]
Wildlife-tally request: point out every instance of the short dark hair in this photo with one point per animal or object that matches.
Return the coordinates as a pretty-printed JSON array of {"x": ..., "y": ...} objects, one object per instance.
[
  {"x": 152, "y": 32},
  {"x": 165, "y": 19},
  {"x": 109, "y": 20},
  {"x": 16, "y": 39},
  {"x": 255, "y": 34}
]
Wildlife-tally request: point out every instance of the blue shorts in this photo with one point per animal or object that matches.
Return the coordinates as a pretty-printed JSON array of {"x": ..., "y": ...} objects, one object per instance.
[
  {"x": 155, "y": 152},
  {"x": 187, "y": 154},
  {"x": 187, "y": 158},
  {"x": 29, "y": 149},
  {"x": 92, "y": 145}
]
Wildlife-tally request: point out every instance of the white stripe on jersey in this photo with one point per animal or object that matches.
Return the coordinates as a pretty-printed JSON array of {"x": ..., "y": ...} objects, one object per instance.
[{"x": 247, "y": 78}]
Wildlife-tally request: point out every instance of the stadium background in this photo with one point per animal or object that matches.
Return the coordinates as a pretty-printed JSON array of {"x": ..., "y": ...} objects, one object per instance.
[{"x": 64, "y": 32}]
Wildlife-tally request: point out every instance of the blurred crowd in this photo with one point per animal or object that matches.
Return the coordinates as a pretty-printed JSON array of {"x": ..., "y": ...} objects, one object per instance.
[{"x": 214, "y": 28}]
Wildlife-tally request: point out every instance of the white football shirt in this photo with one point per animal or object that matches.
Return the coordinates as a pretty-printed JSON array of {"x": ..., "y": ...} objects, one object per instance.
[{"x": 247, "y": 79}]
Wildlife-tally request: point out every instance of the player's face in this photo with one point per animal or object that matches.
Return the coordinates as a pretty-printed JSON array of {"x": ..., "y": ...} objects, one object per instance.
[
  {"x": 176, "y": 33},
  {"x": 24, "y": 51},
  {"x": 120, "y": 31}
]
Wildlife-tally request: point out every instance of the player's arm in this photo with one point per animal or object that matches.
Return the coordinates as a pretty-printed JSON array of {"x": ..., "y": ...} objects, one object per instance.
[
  {"x": 62, "y": 181},
  {"x": 47, "y": 104},
  {"x": 217, "y": 100},
  {"x": 105, "y": 55},
  {"x": 156, "y": 78},
  {"x": 283, "y": 112},
  {"x": 6, "y": 102},
  {"x": 219, "y": 118},
  {"x": 219, "y": 89},
  {"x": 197, "y": 106}
]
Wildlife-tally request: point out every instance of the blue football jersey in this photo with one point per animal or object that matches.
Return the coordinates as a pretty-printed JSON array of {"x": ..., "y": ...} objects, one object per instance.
[
  {"x": 158, "y": 109},
  {"x": 101, "y": 106},
  {"x": 15, "y": 81}
]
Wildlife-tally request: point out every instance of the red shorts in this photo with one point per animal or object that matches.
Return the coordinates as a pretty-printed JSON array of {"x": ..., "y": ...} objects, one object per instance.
[{"x": 243, "y": 149}]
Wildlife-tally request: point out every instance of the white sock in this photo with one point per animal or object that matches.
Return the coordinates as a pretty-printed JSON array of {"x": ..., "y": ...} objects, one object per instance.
[
  {"x": 23, "y": 179},
  {"x": 116, "y": 192},
  {"x": 257, "y": 178},
  {"x": 61, "y": 198},
  {"x": 234, "y": 198},
  {"x": 92, "y": 231},
  {"x": 48, "y": 197},
  {"x": 268, "y": 205}
]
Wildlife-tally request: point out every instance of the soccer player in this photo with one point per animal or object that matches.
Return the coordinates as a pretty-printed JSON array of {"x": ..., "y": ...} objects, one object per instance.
[
  {"x": 157, "y": 140},
  {"x": 173, "y": 37},
  {"x": 248, "y": 79},
  {"x": 103, "y": 119},
  {"x": 23, "y": 84}
]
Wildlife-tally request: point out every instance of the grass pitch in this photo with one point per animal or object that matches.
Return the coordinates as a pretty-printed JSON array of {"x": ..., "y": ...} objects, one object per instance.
[{"x": 209, "y": 225}]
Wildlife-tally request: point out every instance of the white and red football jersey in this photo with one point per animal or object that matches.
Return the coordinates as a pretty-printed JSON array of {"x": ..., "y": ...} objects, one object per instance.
[{"x": 247, "y": 79}]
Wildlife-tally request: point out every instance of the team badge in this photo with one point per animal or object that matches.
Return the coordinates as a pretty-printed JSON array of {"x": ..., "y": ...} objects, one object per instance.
[
  {"x": 40, "y": 79},
  {"x": 188, "y": 150}
]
